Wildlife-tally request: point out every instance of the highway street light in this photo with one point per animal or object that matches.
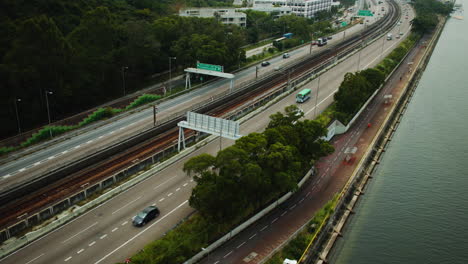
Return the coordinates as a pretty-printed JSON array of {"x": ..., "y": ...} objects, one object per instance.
[
  {"x": 47, "y": 93},
  {"x": 123, "y": 78},
  {"x": 170, "y": 72},
  {"x": 17, "y": 115}
]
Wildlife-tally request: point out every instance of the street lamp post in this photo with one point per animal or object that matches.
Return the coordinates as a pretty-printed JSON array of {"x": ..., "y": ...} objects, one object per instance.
[
  {"x": 316, "y": 97},
  {"x": 170, "y": 72},
  {"x": 123, "y": 78},
  {"x": 155, "y": 111},
  {"x": 17, "y": 115},
  {"x": 47, "y": 93}
]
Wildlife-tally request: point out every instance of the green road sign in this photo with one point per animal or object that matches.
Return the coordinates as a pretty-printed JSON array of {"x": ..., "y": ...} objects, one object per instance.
[
  {"x": 365, "y": 13},
  {"x": 209, "y": 67}
]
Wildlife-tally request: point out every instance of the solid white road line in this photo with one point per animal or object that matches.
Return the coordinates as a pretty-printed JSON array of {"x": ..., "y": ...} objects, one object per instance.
[
  {"x": 79, "y": 251},
  {"x": 91, "y": 244},
  {"x": 163, "y": 183},
  {"x": 79, "y": 232},
  {"x": 35, "y": 258},
  {"x": 126, "y": 205},
  {"x": 140, "y": 233}
]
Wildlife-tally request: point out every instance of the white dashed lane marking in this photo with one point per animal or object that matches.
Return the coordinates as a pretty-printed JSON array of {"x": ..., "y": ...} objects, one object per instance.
[
  {"x": 274, "y": 220},
  {"x": 253, "y": 236},
  {"x": 103, "y": 236},
  {"x": 115, "y": 229},
  {"x": 162, "y": 199},
  {"x": 225, "y": 256},
  {"x": 292, "y": 207},
  {"x": 37, "y": 163},
  {"x": 124, "y": 223},
  {"x": 67, "y": 259},
  {"x": 64, "y": 152},
  {"x": 77, "y": 147},
  {"x": 79, "y": 251},
  {"x": 89, "y": 141},
  {"x": 169, "y": 194},
  {"x": 283, "y": 213},
  {"x": 51, "y": 157},
  {"x": 91, "y": 244},
  {"x": 185, "y": 184},
  {"x": 178, "y": 189},
  {"x": 35, "y": 258},
  {"x": 21, "y": 170},
  {"x": 241, "y": 245},
  {"x": 263, "y": 228},
  {"x": 7, "y": 176}
]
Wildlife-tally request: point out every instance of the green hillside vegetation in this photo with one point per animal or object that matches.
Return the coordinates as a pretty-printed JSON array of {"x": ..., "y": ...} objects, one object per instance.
[{"x": 80, "y": 50}]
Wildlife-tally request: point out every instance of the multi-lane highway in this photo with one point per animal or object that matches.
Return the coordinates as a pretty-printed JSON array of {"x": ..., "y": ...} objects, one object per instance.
[
  {"x": 105, "y": 234},
  {"x": 82, "y": 145}
]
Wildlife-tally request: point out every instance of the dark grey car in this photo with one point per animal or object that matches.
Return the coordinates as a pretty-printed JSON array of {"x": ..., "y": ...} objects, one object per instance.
[{"x": 143, "y": 217}]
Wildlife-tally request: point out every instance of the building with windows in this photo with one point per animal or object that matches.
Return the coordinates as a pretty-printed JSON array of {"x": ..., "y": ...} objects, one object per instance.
[
  {"x": 225, "y": 15},
  {"x": 303, "y": 8}
]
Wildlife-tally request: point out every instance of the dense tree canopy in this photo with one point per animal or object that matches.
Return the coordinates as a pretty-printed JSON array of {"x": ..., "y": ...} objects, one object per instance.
[{"x": 257, "y": 168}]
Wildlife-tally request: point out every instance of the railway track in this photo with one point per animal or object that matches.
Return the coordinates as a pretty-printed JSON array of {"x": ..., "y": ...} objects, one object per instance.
[{"x": 55, "y": 191}]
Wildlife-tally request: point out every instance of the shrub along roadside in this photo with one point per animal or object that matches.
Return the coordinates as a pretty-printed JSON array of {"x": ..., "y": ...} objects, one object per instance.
[
  {"x": 356, "y": 88},
  {"x": 296, "y": 247},
  {"x": 100, "y": 114}
]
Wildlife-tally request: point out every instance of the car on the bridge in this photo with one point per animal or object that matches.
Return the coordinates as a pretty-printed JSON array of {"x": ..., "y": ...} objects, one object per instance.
[
  {"x": 286, "y": 55},
  {"x": 143, "y": 217},
  {"x": 265, "y": 63}
]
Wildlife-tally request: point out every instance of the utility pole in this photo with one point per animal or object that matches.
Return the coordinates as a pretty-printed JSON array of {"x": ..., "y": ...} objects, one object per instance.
[
  {"x": 316, "y": 97},
  {"x": 170, "y": 73},
  {"x": 123, "y": 78},
  {"x": 256, "y": 72},
  {"x": 17, "y": 115},
  {"x": 47, "y": 93}
]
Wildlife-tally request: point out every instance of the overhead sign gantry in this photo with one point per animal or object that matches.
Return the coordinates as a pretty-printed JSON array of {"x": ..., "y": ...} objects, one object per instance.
[
  {"x": 208, "y": 69},
  {"x": 208, "y": 124}
]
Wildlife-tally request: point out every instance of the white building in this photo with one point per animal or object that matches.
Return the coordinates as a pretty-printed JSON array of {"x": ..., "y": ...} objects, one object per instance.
[
  {"x": 268, "y": 8},
  {"x": 226, "y": 15},
  {"x": 303, "y": 8}
]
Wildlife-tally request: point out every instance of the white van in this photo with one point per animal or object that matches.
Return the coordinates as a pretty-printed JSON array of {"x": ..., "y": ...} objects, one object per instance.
[{"x": 389, "y": 36}]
